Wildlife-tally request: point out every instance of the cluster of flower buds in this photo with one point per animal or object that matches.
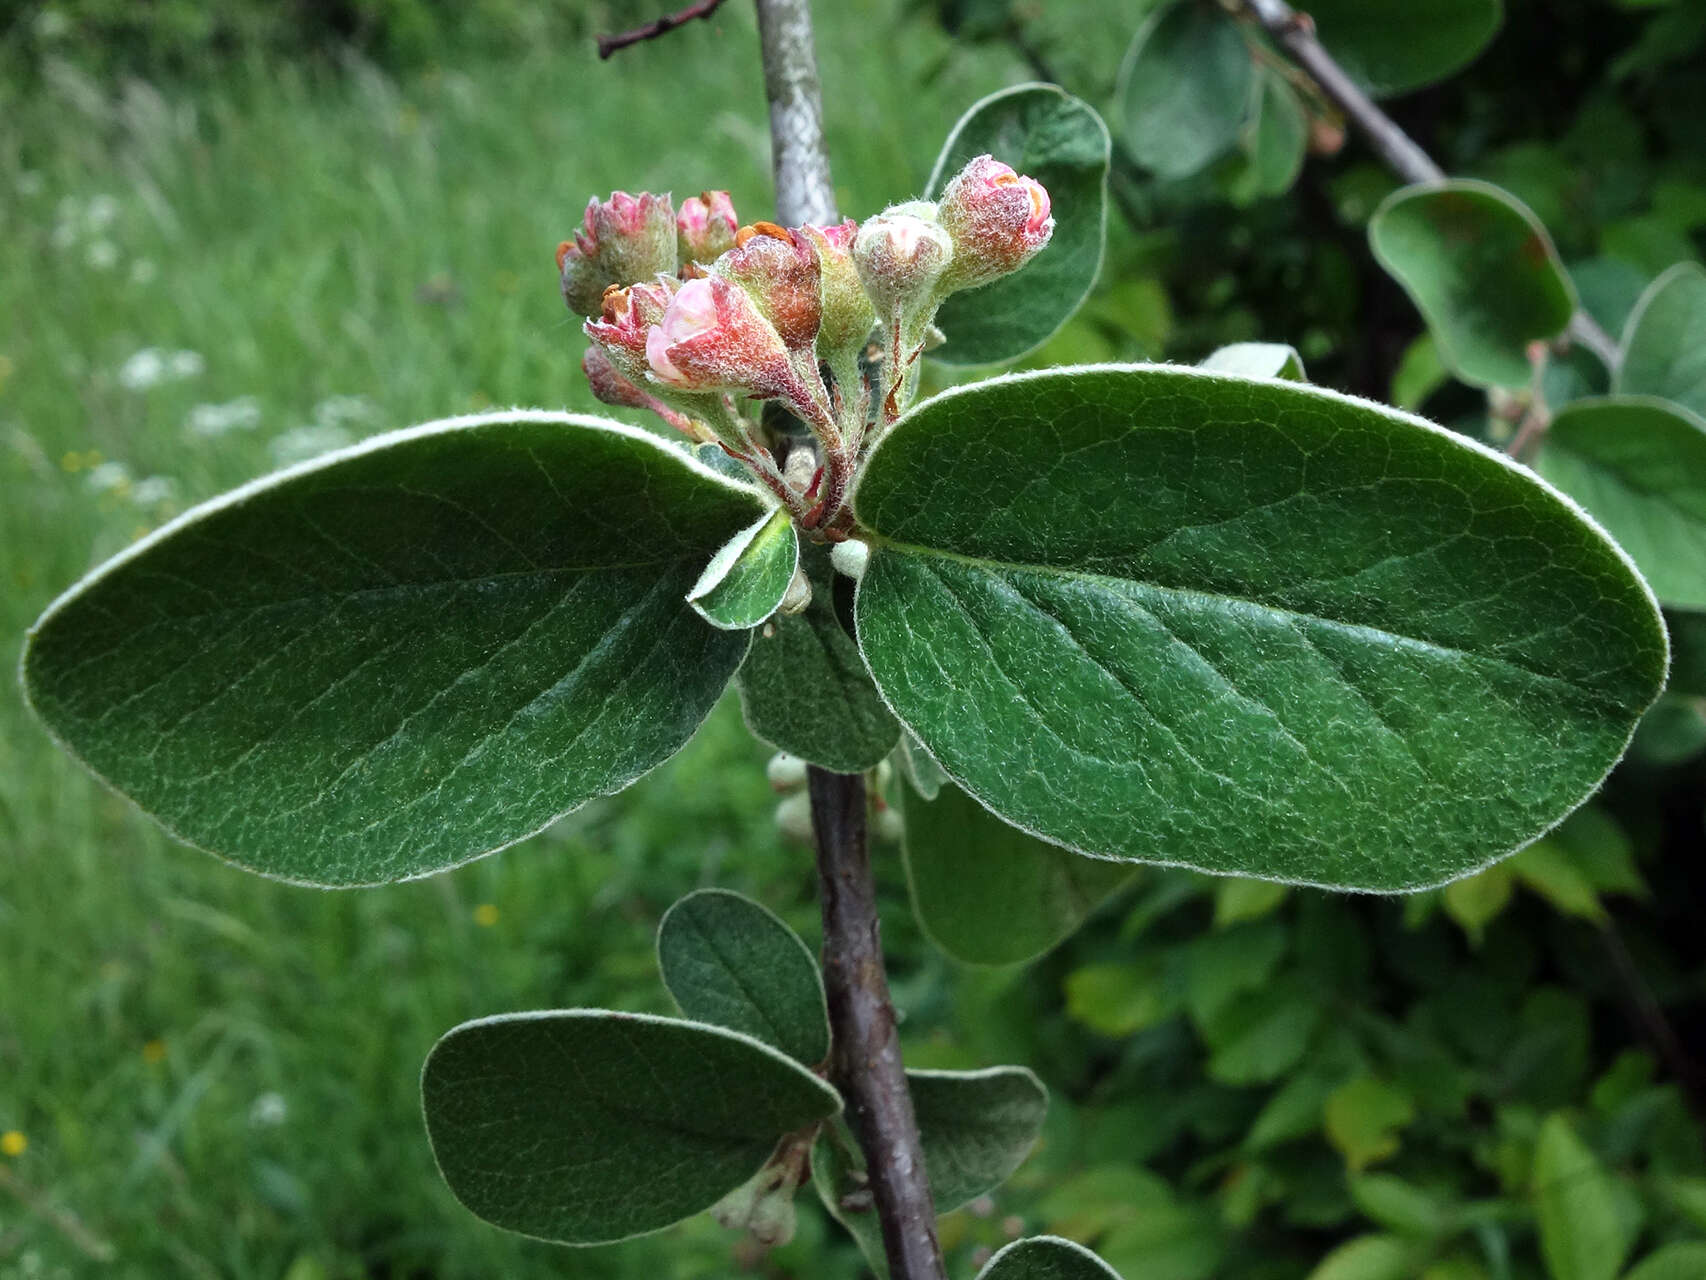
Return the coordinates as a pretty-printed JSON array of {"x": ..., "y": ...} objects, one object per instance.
[{"x": 691, "y": 313}]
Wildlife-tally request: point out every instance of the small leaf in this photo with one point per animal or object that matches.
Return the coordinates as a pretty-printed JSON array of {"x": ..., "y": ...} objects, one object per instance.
[
  {"x": 976, "y": 1128},
  {"x": 1400, "y": 1206},
  {"x": 1583, "y": 1233},
  {"x": 1547, "y": 870},
  {"x": 1167, "y": 1242},
  {"x": 1044, "y": 132},
  {"x": 988, "y": 893},
  {"x": 1275, "y": 143},
  {"x": 838, "y": 1177},
  {"x": 1185, "y": 89},
  {"x": 1118, "y": 999},
  {"x": 1219, "y": 966},
  {"x": 1392, "y": 49},
  {"x": 1419, "y": 374},
  {"x": 804, "y": 688},
  {"x": 730, "y": 962},
  {"x": 1481, "y": 269},
  {"x": 1639, "y": 467},
  {"x": 1664, "y": 343},
  {"x": 1368, "y": 1258},
  {"x": 1259, "y": 1036},
  {"x": 1294, "y": 1111},
  {"x": 584, "y": 1126},
  {"x": 1257, "y": 360},
  {"x": 747, "y": 578},
  {"x": 1237, "y": 899},
  {"x": 1364, "y": 1117},
  {"x": 1685, "y": 1260},
  {"x": 1476, "y": 901},
  {"x": 403, "y": 655},
  {"x": 920, "y": 768},
  {"x": 1183, "y": 618},
  {"x": 1046, "y": 1258}
]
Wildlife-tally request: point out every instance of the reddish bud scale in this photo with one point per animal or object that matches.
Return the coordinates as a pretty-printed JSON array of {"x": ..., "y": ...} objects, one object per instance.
[{"x": 625, "y": 316}]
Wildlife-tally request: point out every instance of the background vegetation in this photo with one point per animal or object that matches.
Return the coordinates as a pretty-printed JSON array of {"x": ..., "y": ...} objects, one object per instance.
[{"x": 230, "y": 239}]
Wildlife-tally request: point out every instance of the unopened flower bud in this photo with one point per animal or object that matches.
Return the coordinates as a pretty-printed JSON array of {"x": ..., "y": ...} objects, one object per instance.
[
  {"x": 798, "y": 597},
  {"x": 626, "y": 238},
  {"x": 712, "y": 337},
  {"x": 998, "y": 220},
  {"x": 847, "y": 311},
  {"x": 794, "y": 817},
  {"x": 779, "y": 271},
  {"x": 611, "y": 387},
  {"x": 625, "y": 316},
  {"x": 786, "y": 772},
  {"x": 705, "y": 227},
  {"x": 900, "y": 255},
  {"x": 850, "y": 558},
  {"x": 888, "y": 826}
]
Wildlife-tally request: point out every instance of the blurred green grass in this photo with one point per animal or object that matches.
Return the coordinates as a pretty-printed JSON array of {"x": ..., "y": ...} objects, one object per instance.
[{"x": 216, "y": 1075}]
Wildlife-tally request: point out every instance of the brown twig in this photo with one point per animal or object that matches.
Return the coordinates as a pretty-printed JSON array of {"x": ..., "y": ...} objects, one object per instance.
[
  {"x": 1295, "y": 33},
  {"x": 866, "y": 1064},
  {"x": 608, "y": 45}
]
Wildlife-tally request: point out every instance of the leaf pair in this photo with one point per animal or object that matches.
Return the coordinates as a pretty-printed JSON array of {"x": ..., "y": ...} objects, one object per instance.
[{"x": 586, "y": 1126}]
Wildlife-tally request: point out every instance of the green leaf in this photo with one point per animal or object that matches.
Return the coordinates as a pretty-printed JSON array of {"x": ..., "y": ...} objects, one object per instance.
[
  {"x": 1664, "y": 344},
  {"x": 921, "y": 770},
  {"x": 1399, "y": 1206},
  {"x": 1259, "y": 1036},
  {"x": 1363, "y": 1119},
  {"x": 747, "y": 578},
  {"x": 1185, "y": 89},
  {"x": 404, "y": 655},
  {"x": 1118, "y": 999},
  {"x": 1419, "y": 374},
  {"x": 1368, "y": 1258},
  {"x": 1219, "y": 966},
  {"x": 1275, "y": 142},
  {"x": 1237, "y": 899},
  {"x": 1482, "y": 271},
  {"x": 731, "y": 962},
  {"x": 1476, "y": 901},
  {"x": 1294, "y": 1111},
  {"x": 1685, "y": 1260},
  {"x": 838, "y": 1177},
  {"x": 1046, "y": 1258},
  {"x": 1045, "y": 132},
  {"x": 976, "y": 1128},
  {"x": 1546, "y": 869},
  {"x": 1392, "y": 49},
  {"x": 1639, "y": 467},
  {"x": 1251, "y": 627},
  {"x": 1257, "y": 360},
  {"x": 804, "y": 688},
  {"x": 1583, "y": 1233},
  {"x": 986, "y": 892},
  {"x": 585, "y": 1126},
  {"x": 1166, "y": 1241}
]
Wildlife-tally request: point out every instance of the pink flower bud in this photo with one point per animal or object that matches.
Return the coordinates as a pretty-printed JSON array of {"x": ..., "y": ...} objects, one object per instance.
[
  {"x": 705, "y": 227},
  {"x": 626, "y": 315},
  {"x": 998, "y": 219},
  {"x": 612, "y": 388},
  {"x": 626, "y": 238},
  {"x": 900, "y": 255},
  {"x": 847, "y": 311},
  {"x": 778, "y": 269},
  {"x": 712, "y": 337}
]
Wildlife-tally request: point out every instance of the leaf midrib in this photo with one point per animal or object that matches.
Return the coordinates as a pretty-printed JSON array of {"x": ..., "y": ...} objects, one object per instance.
[{"x": 1355, "y": 629}]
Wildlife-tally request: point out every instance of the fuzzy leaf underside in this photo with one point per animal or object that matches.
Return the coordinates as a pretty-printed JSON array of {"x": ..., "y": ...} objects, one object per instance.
[
  {"x": 585, "y": 1126},
  {"x": 730, "y": 962},
  {"x": 401, "y": 656},
  {"x": 1252, "y": 627},
  {"x": 988, "y": 893},
  {"x": 1044, "y": 132}
]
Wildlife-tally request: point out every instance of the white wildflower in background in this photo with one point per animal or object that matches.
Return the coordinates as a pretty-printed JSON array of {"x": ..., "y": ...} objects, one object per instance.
[
  {"x": 109, "y": 477},
  {"x": 269, "y": 1111},
  {"x": 31, "y": 183},
  {"x": 301, "y": 443},
  {"x": 102, "y": 255},
  {"x": 153, "y": 365},
  {"x": 143, "y": 271},
  {"x": 241, "y": 414},
  {"x": 100, "y": 213},
  {"x": 154, "y": 490},
  {"x": 339, "y": 411}
]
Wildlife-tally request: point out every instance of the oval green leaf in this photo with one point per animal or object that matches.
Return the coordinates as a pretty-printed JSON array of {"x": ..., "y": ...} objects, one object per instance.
[
  {"x": 1252, "y": 627},
  {"x": 1185, "y": 90},
  {"x": 986, "y": 892},
  {"x": 1664, "y": 345},
  {"x": 1685, "y": 1260},
  {"x": 1046, "y": 1258},
  {"x": 804, "y": 688},
  {"x": 1584, "y": 1234},
  {"x": 1392, "y": 49},
  {"x": 404, "y": 655},
  {"x": 748, "y": 576},
  {"x": 1274, "y": 143},
  {"x": 585, "y": 1126},
  {"x": 730, "y": 962},
  {"x": 1639, "y": 466},
  {"x": 976, "y": 1128},
  {"x": 1257, "y": 360},
  {"x": 1482, "y": 271},
  {"x": 1043, "y": 131}
]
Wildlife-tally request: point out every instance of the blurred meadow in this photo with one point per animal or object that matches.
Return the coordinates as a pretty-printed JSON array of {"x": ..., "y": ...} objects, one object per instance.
[{"x": 206, "y": 274}]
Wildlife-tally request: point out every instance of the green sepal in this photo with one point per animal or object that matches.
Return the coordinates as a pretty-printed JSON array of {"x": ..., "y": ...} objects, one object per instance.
[
  {"x": 585, "y": 1126},
  {"x": 733, "y": 963}
]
